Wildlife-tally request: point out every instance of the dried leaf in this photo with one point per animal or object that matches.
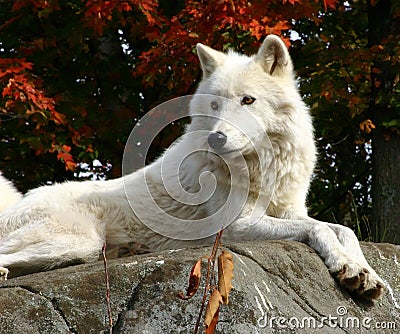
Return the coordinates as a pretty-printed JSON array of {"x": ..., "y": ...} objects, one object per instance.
[
  {"x": 212, "y": 310},
  {"x": 211, "y": 327},
  {"x": 194, "y": 281},
  {"x": 225, "y": 274},
  {"x": 367, "y": 126}
]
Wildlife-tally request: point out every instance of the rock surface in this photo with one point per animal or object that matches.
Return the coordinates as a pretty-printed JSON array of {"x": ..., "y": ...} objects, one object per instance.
[{"x": 279, "y": 287}]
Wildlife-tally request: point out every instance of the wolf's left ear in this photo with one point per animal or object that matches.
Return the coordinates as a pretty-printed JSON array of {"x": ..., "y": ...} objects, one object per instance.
[
  {"x": 209, "y": 58},
  {"x": 274, "y": 57}
]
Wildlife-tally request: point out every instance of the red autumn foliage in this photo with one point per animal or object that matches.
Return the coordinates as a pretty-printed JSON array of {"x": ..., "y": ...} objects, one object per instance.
[
  {"x": 161, "y": 44},
  {"x": 26, "y": 73}
]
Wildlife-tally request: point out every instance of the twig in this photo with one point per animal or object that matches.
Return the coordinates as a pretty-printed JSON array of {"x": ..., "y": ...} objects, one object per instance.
[
  {"x": 210, "y": 269},
  {"x": 110, "y": 322},
  {"x": 217, "y": 245}
]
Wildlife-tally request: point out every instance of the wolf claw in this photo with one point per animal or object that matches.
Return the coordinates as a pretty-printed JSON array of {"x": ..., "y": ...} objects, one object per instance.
[{"x": 360, "y": 281}]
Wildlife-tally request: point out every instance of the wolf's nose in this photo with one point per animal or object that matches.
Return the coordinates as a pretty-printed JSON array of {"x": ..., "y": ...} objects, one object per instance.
[{"x": 217, "y": 140}]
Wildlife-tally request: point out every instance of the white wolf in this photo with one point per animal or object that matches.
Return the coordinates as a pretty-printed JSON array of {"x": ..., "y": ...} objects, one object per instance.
[{"x": 271, "y": 164}]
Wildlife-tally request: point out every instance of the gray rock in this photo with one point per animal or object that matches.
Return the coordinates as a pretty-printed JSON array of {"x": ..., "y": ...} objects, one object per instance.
[{"x": 279, "y": 287}]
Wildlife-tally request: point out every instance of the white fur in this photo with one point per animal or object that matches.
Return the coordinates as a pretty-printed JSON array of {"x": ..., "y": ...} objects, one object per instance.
[
  {"x": 273, "y": 138},
  {"x": 8, "y": 194}
]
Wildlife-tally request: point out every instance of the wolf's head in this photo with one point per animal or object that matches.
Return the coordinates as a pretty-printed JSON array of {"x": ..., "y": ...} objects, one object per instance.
[{"x": 241, "y": 100}]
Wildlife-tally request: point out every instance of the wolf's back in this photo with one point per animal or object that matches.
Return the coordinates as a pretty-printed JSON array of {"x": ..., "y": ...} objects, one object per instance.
[{"x": 8, "y": 194}]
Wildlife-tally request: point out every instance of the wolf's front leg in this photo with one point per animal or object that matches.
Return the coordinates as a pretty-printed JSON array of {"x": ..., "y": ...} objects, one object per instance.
[
  {"x": 345, "y": 260},
  {"x": 338, "y": 247}
]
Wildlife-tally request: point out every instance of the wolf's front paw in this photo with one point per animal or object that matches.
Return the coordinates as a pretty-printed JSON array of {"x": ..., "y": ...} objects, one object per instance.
[
  {"x": 361, "y": 281},
  {"x": 3, "y": 274}
]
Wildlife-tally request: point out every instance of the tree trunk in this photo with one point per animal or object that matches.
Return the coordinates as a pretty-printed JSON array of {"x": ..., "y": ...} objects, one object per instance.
[
  {"x": 386, "y": 186},
  {"x": 384, "y": 30}
]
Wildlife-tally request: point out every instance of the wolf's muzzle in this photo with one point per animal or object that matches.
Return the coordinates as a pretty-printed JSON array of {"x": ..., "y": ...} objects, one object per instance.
[{"x": 217, "y": 140}]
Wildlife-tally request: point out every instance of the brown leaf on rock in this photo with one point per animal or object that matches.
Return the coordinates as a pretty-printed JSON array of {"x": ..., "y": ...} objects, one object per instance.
[
  {"x": 210, "y": 329},
  {"x": 212, "y": 311},
  {"x": 194, "y": 281},
  {"x": 225, "y": 275}
]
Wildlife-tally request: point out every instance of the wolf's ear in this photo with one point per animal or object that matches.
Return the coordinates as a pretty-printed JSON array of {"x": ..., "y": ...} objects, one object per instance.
[
  {"x": 274, "y": 57},
  {"x": 209, "y": 58}
]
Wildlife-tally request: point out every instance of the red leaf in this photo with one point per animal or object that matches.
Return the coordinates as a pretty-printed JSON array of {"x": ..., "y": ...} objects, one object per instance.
[
  {"x": 66, "y": 148},
  {"x": 291, "y": 1},
  {"x": 58, "y": 118},
  {"x": 330, "y": 4}
]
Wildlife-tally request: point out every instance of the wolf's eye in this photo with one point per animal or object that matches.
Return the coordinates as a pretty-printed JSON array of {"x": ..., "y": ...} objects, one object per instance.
[
  {"x": 247, "y": 100},
  {"x": 214, "y": 105}
]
